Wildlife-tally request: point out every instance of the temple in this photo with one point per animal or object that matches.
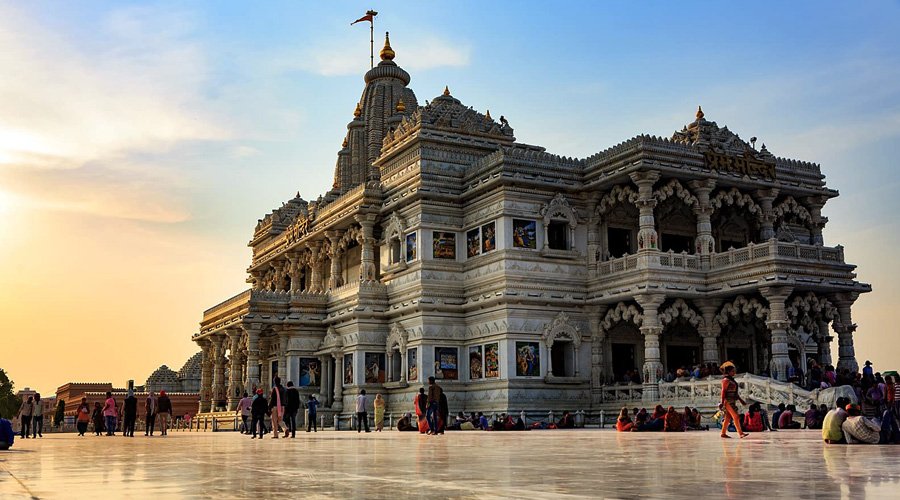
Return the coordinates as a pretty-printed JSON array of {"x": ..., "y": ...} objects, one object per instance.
[{"x": 526, "y": 280}]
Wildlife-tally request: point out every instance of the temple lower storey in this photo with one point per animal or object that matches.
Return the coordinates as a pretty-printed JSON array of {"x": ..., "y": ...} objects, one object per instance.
[{"x": 524, "y": 280}]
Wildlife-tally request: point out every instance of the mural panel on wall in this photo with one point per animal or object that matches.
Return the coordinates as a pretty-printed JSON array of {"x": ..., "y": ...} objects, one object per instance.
[
  {"x": 444, "y": 245},
  {"x": 412, "y": 364},
  {"x": 375, "y": 367},
  {"x": 528, "y": 360},
  {"x": 524, "y": 233},
  {"x": 348, "y": 369},
  {"x": 309, "y": 372},
  {"x": 488, "y": 237},
  {"x": 475, "y": 364},
  {"x": 446, "y": 363}
]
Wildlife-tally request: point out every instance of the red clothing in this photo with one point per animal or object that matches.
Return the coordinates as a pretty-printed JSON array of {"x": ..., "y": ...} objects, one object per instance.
[
  {"x": 674, "y": 422},
  {"x": 624, "y": 425},
  {"x": 753, "y": 422}
]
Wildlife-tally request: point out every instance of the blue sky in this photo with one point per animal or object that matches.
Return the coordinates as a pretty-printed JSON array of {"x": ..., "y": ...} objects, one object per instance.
[{"x": 150, "y": 136}]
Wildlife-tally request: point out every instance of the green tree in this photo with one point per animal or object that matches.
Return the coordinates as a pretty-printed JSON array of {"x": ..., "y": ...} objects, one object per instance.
[
  {"x": 9, "y": 402},
  {"x": 60, "y": 413}
]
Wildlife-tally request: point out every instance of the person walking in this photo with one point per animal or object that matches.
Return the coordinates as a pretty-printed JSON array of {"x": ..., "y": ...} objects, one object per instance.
[
  {"x": 82, "y": 416},
  {"x": 258, "y": 411},
  {"x": 291, "y": 409},
  {"x": 730, "y": 396},
  {"x": 150, "y": 407},
  {"x": 164, "y": 412},
  {"x": 276, "y": 408},
  {"x": 433, "y": 405},
  {"x": 362, "y": 416},
  {"x": 37, "y": 418},
  {"x": 97, "y": 417},
  {"x": 129, "y": 413},
  {"x": 311, "y": 406},
  {"x": 110, "y": 412},
  {"x": 379, "y": 412},
  {"x": 243, "y": 409},
  {"x": 25, "y": 412}
]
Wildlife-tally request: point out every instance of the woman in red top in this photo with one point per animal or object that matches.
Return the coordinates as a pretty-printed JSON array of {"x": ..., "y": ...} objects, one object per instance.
[
  {"x": 753, "y": 421},
  {"x": 624, "y": 423},
  {"x": 729, "y": 397}
]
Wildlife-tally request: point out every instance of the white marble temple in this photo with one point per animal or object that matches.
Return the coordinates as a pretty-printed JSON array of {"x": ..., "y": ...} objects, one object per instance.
[{"x": 535, "y": 464}]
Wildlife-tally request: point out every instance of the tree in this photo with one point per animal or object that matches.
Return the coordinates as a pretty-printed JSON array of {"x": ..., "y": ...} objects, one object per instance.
[
  {"x": 60, "y": 413},
  {"x": 9, "y": 402}
]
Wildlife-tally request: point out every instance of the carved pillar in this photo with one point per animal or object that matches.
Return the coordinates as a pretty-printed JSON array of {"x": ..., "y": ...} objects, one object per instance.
[
  {"x": 778, "y": 324},
  {"x": 324, "y": 374},
  {"x": 846, "y": 329},
  {"x": 205, "y": 375},
  {"x": 338, "y": 402},
  {"x": 593, "y": 235},
  {"x": 234, "y": 371},
  {"x": 711, "y": 330},
  {"x": 283, "y": 340},
  {"x": 256, "y": 279},
  {"x": 705, "y": 243},
  {"x": 265, "y": 374},
  {"x": 651, "y": 329},
  {"x": 767, "y": 217},
  {"x": 218, "y": 375},
  {"x": 646, "y": 202},
  {"x": 295, "y": 271},
  {"x": 824, "y": 341},
  {"x": 367, "y": 244},
  {"x": 815, "y": 204},
  {"x": 598, "y": 337},
  {"x": 315, "y": 265},
  {"x": 403, "y": 368},
  {"x": 253, "y": 332},
  {"x": 335, "y": 280}
]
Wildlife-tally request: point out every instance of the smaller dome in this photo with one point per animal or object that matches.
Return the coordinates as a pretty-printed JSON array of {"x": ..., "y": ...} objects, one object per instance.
[{"x": 163, "y": 379}]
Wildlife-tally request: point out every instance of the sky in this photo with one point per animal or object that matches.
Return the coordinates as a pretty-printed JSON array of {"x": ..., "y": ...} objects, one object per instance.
[{"x": 141, "y": 141}]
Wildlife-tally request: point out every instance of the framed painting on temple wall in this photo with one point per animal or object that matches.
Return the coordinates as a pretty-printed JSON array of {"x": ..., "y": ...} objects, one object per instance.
[
  {"x": 492, "y": 360},
  {"x": 488, "y": 237},
  {"x": 348, "y": 369},
  {"x": 524, "y": 233},
  {"x": 446, "y": 363},
  {"x": 476, "y": 370},
  {"x": 473, "y": 243},
  {"x": 374, "y": 367},
  {"x": 412, "y": 364},
  {"x": 309, "y": 372},
  {"x": 444, "y": 245},
  {"x": 528, "y": 359},
  {"x": 410, "y": 247}
]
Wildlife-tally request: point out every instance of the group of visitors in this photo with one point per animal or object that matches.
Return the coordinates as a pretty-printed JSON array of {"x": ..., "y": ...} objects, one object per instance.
[
  {"x": 109, "y": 417},
  {"x": 281, "y": 407},
  {"x": 697, "y": 371},
  {"x": 31, "y": 416},
  {"x": 661, "y": 420},
  {"x": 845, "y": 424}
]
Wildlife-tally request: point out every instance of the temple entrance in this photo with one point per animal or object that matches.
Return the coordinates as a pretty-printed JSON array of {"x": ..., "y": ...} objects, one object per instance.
[
  {"x": 562, "y": 359},
  {"x": 623, "y": 360},
  {"x": 682, "y": 356},
  {"x": 740, "y": 356},
  {"x": 396, "y": 365}
]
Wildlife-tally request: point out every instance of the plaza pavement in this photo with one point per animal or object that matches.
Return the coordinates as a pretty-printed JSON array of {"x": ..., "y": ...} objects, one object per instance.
[{"x": 535, "y": 464}]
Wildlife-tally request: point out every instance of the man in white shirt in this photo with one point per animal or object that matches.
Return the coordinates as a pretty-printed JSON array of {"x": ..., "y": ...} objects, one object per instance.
[
  {"x": 243, "y": 409},
  {"x": 362, "y": 416}
]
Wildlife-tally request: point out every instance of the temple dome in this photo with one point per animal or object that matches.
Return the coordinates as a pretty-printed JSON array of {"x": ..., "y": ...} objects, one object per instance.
[
  {"x": 189, "y": 374},
  {"x": 163, "y": 379}
]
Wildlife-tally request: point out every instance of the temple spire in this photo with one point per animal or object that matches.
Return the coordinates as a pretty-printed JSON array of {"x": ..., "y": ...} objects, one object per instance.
[
  {"x": 699, "y": 113},
  {"x": 387, "y": 53}
]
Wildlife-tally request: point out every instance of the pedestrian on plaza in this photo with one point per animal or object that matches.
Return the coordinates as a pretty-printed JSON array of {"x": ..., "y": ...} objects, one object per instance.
[
  {"x": 730, "y": 396},
  {"x": 362, "y": 416},
  {"x": 379, "y": 412},
  {"x": 82, "y": 416},
  {"x": 433, "y": 405},
  {"x": 129, "y": 412},
  {"x": 37, "y": 418},
  {"x": 25, "y": 412},
  {"x": 97, "y": 417},
  {"x": 258, "y": 411},
  {"x": 243, "y": 409},
  {"x": 421, "y": 407},
  {"x": 150, "y": 408},
  {"x": 110, "y": 412},
  {"x": 276, "y": 408},
  {"x": 164, "y": 412},
  {"x": 291, "y": 409},
  {"x": 7, "y": 436},
  {"x": 311, "y": 406},
  {"x": 443, "y": 411}
]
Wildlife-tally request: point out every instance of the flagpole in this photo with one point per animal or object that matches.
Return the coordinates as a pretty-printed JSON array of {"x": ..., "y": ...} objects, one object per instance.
[{"x": 372, "y": 43}]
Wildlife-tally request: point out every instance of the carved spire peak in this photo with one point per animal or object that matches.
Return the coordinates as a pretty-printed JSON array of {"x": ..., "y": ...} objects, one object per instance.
[
  {"x": 358, "y": 111},
  {"x": 699, "y": 112},
  {"x": 487, "y": 115},
  {"x": 446, "y": 91},
  {"x": 401, "y": 106},
  {"x": 345, "y": 143},
  {"x": 387, "y": 53}
]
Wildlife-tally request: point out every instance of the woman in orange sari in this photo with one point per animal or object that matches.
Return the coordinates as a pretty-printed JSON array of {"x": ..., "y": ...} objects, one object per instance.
[
  {"x": 420, "y": 404},
  {"x": 729, "y": 397}
]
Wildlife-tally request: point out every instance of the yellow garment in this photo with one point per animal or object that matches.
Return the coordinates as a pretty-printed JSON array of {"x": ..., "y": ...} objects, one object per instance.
[{"x": 379, "y": 413}]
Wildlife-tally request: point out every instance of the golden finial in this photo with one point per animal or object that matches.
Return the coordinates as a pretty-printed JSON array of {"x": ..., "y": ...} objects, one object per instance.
[
  {"x": 487, "y": 116},
  {"x": 387, "y": 53},
  {"x": 401, "y": 106},
  {"x": 358, "y": 111},
  {"x": 699, "y": 113},
  {"x": 446, "y": 90}
]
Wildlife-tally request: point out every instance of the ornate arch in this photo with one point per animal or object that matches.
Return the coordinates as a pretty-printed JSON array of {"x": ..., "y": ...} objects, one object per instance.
[
  {"x": 673, "y": 188},
  {"x": 742, "y": 306},
  {"x": 805, "y": 309},
  {"x": 563, "y": 329},
  {"x": 398, "y": 337},
  {"x": 681, "y": 309},
  {"x": 734, "y": 197},
  {"x": 351, "y": 234},
  {"x": 621, "y": 193},
  {"x": 559, "y": 208},
  {"x": 620, "y": 313},
  {"x": 332, "y": 340},
  {"x": 395, "y": 228},
  {"x": 790, "y": 206}
]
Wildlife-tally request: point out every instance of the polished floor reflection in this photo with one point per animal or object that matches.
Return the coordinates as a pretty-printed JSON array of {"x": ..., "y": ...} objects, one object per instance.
[{"x": 535, "y": 464}]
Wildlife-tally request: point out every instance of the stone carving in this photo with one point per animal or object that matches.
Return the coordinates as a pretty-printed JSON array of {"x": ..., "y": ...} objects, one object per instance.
[
  {"x": 622, "y": 312},
  {"x": 681, "y": 309},
  {"x": 559, "y": 208},
  {"x": 561, "y": 328},
  {"x": 397, "y": 338},
  {"x": 674, "y": 188},
  {"x": 734, "y": 197},
  {"x": 742, "y": 306},
  {"x": 618, "y": 194},
  {"x": 789, "y": 206}
]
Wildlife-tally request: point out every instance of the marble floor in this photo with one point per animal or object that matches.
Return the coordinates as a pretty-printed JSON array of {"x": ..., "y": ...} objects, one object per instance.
[{"x": 534, "y": 464}]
